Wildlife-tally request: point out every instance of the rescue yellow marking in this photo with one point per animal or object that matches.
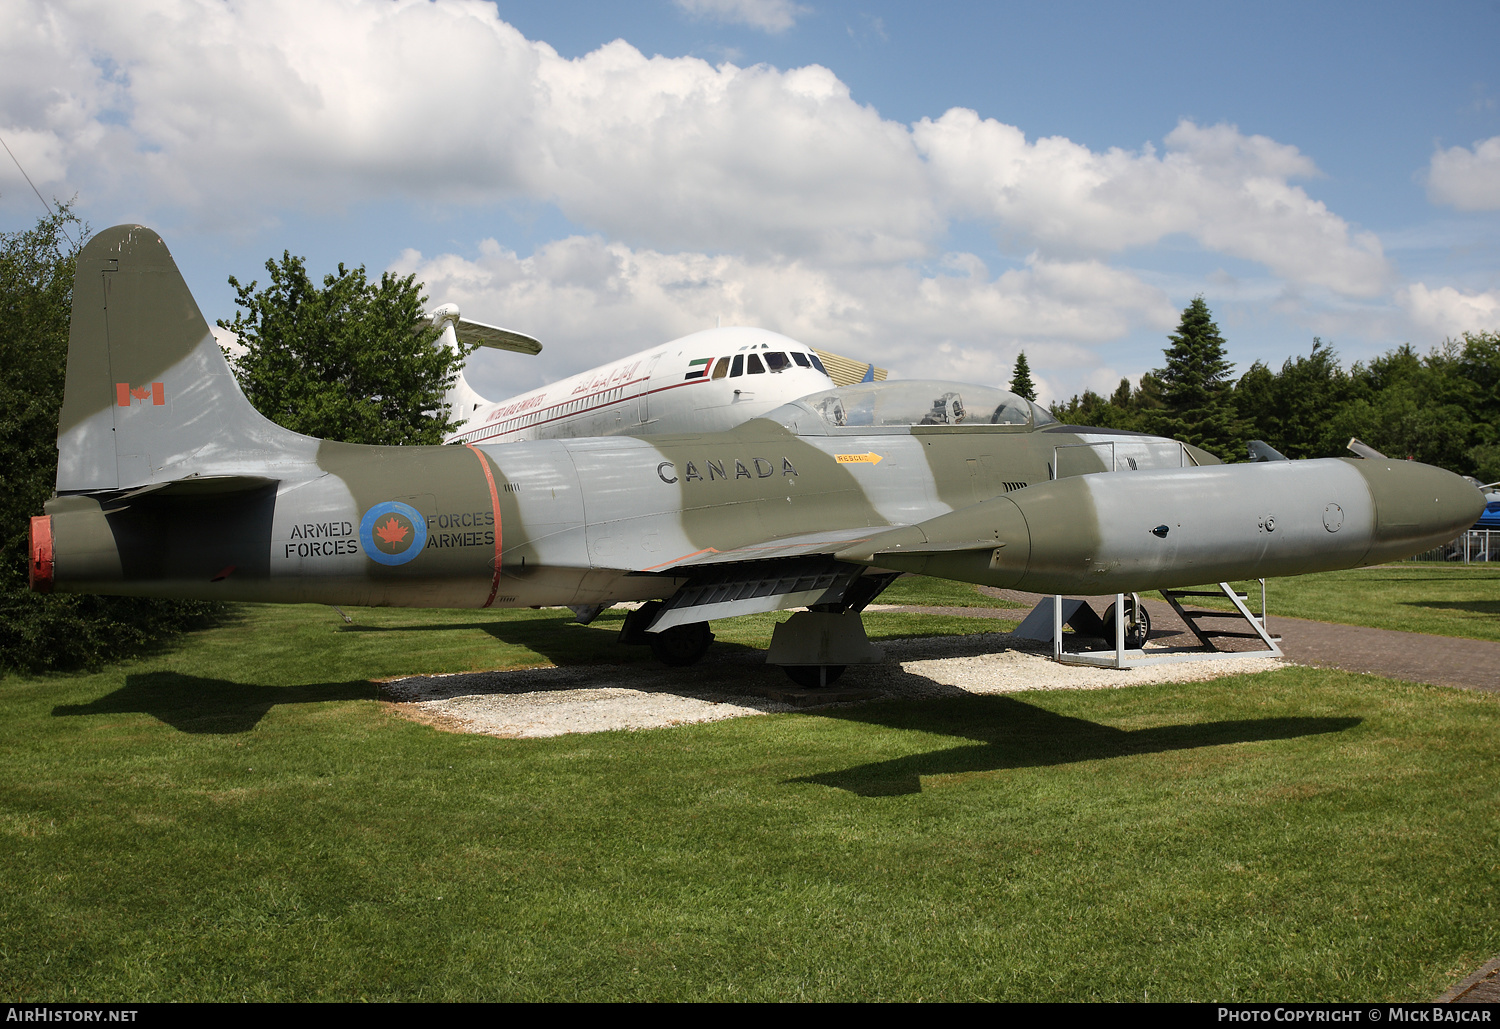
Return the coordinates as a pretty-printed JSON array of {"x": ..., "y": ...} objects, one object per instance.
[{"x": 871, "y": 458}]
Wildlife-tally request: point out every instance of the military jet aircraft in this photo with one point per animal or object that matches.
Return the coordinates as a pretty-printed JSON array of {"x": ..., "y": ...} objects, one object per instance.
[
  {"x": 706, "y": 382},
  {"x": 170, "y": 484}
]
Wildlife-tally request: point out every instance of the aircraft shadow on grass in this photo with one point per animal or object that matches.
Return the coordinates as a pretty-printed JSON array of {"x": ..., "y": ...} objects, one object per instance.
[
  {"x": 560, "y": 640},
  {"x": 1013, "y": 734},
  {"x": 192, "y": 704}
]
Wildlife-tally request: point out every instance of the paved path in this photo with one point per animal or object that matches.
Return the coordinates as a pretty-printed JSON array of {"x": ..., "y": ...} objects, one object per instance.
[{"x": 1412, "y": 656}]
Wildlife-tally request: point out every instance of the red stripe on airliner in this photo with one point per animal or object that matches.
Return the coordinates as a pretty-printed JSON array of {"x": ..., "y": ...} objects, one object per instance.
[
  {"x": 586, "y": 410},
  {"x": 489, "y": 477}
]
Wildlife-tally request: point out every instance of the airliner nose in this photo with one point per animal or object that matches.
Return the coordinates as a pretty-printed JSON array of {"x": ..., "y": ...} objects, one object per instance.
[{"x": 1416, "y": 506}]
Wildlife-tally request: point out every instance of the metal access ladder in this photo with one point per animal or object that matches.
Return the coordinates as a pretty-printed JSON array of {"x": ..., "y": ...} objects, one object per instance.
[{"x": 1121, "y": 657}]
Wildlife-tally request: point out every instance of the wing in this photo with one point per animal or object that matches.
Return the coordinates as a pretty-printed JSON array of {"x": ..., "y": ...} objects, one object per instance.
[
  {"x": 777, "y": 575},
  {"x": 835, "y": 570}
]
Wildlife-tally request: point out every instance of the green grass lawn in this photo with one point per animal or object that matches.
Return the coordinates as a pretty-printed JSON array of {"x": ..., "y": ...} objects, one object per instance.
[
  {"x": 1444, "y": 600},
  {"x": 925, "y": 591},
  {"x": 238, "y": 817}
]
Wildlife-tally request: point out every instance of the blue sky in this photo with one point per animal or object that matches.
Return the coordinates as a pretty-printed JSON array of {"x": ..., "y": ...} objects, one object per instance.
[{"x": 932, "y": 187}]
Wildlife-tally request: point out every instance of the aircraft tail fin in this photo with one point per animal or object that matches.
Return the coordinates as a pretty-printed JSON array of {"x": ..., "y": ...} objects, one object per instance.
[
  {"x": 462, "y": 399},
  {"x": 149, "y": 396}
]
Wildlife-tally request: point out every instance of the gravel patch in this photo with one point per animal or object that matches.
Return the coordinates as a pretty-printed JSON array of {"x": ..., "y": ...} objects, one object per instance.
[{"x": 552, "y": 701}]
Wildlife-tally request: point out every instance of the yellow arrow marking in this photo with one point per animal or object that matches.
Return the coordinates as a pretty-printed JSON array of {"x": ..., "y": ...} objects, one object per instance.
[{"x": 858, "y": 458}]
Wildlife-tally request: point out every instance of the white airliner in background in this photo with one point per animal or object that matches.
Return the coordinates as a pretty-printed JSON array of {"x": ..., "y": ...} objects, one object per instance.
[{"x": 706, "y": 382}]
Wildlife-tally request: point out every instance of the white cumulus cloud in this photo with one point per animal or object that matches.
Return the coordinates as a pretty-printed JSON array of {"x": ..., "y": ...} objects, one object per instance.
[
  {"x": 1227, "y": 190},
  {"x": 1446, "y": 312},
  {"x": 589, "y": 299},
  {"x": 235, "y": 113},
  {"x": 1466, "y": 179},
  {"x": 757, "y": 194}
]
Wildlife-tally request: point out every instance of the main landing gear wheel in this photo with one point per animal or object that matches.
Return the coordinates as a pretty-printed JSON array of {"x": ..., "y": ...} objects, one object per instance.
[
  {"x": 1137, "y": 623},
  {"x": 681, "y": 645},
  {"x": 812, "y": 677}
]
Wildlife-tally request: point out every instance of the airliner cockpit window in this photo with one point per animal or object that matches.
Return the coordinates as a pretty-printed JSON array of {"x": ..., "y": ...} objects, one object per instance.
[
  {"x": 775, "y": 361},
  {"x": 754, "y": 365},
  {"x": 801, "y": 359},
  {"x": 722, "y": 368}
]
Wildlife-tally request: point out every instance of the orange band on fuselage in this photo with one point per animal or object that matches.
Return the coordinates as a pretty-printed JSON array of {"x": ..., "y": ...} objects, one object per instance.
[
  {"x": 489, "y": 477},
  {"x": 41, "y": 553}
]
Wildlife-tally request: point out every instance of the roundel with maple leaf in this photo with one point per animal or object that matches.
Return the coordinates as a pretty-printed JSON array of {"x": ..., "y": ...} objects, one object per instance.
[{"x": 393, "y": 533}]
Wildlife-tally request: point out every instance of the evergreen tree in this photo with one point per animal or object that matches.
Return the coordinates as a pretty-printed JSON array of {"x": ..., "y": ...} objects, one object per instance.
[
  {"x": 1020, "y": 381},
  {"x": 354, "y": 361},
  {"x": 1196, "y": 395}
]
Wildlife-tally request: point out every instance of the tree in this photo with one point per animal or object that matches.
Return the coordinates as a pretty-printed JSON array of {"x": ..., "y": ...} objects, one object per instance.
[
  {"x": 353, "y": 361},
  {"x": 1195, "y": 388},
  {"x": 1020, "y": 381},
  {"x": 1296, "y": 410},
  {"x": 61, "y": 631},
  {"x": 1126, "y": 408}
]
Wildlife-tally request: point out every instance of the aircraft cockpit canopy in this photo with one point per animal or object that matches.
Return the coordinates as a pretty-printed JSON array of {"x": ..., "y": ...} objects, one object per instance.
[{"x": 910, "y": 402}]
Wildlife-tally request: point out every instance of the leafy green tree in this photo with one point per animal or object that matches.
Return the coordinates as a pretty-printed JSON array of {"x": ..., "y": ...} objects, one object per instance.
[
  {"x": 1196, "y": 395},
  {"x": 1126, "y": 408},
  {"x": 58, "y": 631},
  {"x": 1296, "y": 410},
  {"x": 1020, "y": 380},
  {"x": 352, "y": 361}
]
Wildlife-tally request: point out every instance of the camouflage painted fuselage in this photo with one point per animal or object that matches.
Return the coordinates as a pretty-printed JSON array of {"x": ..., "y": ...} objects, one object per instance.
[{"x": 171, "y": 485}]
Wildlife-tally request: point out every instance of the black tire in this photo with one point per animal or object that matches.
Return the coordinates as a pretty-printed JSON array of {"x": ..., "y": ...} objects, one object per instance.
[
  {"x": 633, "y": 632},
  {"x": 681, "y": 645},
  {"x": 811, "y": 677},
  {"x": 1135, "y": 636}
]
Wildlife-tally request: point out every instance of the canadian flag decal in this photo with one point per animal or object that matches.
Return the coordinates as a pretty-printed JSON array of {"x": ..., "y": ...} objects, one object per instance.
[{"x": 125, "y": 395}]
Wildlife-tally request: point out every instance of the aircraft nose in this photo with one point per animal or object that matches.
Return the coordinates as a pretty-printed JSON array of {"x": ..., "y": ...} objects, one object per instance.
[{"x": 1417, "y": 506}]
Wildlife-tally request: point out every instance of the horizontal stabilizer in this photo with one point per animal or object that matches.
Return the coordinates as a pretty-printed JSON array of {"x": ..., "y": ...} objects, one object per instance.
[
  {"x": 201, "y": 486},
  {"x": 496, "y": 338}
]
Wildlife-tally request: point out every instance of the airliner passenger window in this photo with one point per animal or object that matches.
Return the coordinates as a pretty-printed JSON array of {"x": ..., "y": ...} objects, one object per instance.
[
  {"x": 801, "y": 359},
  {"x": 722, "y": 368},
  {"x": 739, "y": 366},
  {"x": 776, "y": 361},
  {"x": 756, "y": 368}
]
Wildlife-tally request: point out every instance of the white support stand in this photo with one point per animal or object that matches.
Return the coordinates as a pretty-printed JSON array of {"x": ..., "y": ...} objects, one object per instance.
[{"x": 1120, "y": 657}]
